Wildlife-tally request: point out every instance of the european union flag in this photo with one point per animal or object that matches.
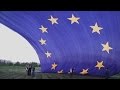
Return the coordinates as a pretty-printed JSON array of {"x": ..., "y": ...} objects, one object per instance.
[{"x": 86, "y": 41}]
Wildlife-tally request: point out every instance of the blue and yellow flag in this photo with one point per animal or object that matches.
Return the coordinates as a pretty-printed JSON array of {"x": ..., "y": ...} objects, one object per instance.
[{"x": 86, "y": 41}]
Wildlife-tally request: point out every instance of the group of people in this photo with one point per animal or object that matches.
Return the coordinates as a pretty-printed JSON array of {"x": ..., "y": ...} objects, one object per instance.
[
  {"x": 107, "y": 72},
  {"x": 30, "y": 70}
]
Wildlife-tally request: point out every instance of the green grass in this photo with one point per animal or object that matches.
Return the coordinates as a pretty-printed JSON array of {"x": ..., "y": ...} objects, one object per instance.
[{"x": 18, "y": 72}]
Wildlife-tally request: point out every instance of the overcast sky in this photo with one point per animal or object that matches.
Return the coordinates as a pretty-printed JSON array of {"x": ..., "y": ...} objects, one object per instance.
[{"x": 14, "y": 47}]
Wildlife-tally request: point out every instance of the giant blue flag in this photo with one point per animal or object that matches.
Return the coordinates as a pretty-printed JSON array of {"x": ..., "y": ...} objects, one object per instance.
[{"x": 86, "y": 41}]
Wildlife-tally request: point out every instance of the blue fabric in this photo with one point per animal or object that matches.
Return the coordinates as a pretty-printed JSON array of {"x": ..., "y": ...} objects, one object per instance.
[{"x": 71, "y": 45}]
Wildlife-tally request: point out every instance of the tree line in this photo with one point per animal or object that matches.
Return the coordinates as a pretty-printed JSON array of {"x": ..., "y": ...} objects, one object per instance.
[{"x": 10, "y": 63}]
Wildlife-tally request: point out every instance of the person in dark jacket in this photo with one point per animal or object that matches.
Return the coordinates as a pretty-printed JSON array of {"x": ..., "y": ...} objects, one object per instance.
[
  {"x": 29, "y": 70},
  {"x": 27, "y": 67},
  {"x": 107, "y": 73},
  {"x": 33, "y": 71}
]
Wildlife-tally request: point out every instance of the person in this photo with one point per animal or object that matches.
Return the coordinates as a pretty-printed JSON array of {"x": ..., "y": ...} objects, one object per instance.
[
  {"x": 71, "y": 72},
  {"x": 73, "y": 69},
  {"x": 107, "y": 73},
  {"x": 33, "y": 71},
  {"x": 29, "y": 70},
  {"x": 27, "y": 67}
]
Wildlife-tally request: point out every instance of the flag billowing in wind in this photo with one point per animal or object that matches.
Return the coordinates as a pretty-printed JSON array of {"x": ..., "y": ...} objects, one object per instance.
[{"x": 88, "y": 41}]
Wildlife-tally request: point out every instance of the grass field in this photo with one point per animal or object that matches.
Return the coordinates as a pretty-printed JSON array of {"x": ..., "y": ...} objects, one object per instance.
[{"x": 18, "y": 72}]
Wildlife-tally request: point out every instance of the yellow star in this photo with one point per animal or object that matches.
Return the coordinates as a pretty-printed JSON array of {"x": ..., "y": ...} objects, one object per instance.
[
  {"x": 43, "y": 29},
  {"x": 106, "y": 47},
  {"x": 53, "y": 20},
  {"x": 99, "y": 65},
  {"x": 61, "y": 71},
  {"x": 96, "y": 28},
  {"x": 48, "y": 54},
  {"x": 84, "y": 72},
  {"x": 42, "y": 41},
  {"x": 74, "y": 19},
  {"x": 54, "y": 66}
]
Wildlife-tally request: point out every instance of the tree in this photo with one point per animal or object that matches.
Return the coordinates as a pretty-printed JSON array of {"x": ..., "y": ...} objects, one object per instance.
[{"x": 17, "y": 64}]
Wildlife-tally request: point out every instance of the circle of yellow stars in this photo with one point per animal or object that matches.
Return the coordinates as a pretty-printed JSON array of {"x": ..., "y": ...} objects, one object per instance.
[{"x": 73, "y": 19}]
